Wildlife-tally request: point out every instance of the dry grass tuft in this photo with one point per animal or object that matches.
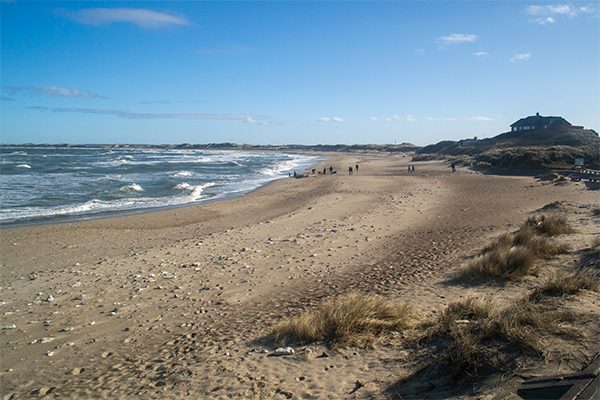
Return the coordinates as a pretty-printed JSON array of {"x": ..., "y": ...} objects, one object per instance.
[
  {"x": 502, "y": 261},
  {"x": 562, "y": 284},
  {"x": 353, "y": 319},
  {"x": 512, "y": 255},
  {"x": 481, "y": 337},
  {"x": 596, "y": 243},
  {"x": 550, "y": 225}
]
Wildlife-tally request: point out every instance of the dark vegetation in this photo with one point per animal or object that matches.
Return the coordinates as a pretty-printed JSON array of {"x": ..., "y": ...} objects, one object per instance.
[{"x": 535, "y": 149}]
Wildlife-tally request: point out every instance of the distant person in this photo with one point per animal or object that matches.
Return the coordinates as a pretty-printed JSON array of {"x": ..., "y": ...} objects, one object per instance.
[
  {"x": 413, "y": 168},
  {"x": 294, "y": 174},
  {"x": 453, "y": 167},
  {"x": 350, "y": 170},
  {"x": 313, "y": 171},
  {"x": 324, "y": 171},
  {"x": 289, "y": 174},
  {"x": 356, "y": 168},
  {"x": 331, "y": 168},
  {"x": 409, "y": 168}
]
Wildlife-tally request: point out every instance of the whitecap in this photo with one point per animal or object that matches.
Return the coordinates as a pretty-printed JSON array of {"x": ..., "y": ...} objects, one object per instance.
[
  {"x": 182, "y": 173},
  {"x": 183, "y": 186},
  {"x": 23, "y": 166},
  {"x": 134, "y": 187},
  {"x": 197, "y": 190}
]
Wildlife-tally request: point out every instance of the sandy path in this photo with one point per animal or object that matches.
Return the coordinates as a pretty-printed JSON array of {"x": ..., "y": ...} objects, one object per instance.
[{"x": 176, "y": 303}]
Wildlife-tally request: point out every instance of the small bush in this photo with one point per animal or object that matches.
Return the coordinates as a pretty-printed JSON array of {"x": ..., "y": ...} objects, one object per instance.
[
  {"x": 562, "y": 284},
  {"x": 550, "y": 225},
  {"x": 353, "y": 319}
]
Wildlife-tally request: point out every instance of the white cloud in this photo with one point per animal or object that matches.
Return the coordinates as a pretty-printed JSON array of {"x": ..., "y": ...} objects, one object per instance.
[
  {"x": 251, "y": 119},
  {"x": 456, "y": 38},
  {"x": 481, "y": 53},
  {"x": 521, "y": 57},
  {"x": 52, "y": 91},
  {"x": 331, "y": 119},
  {"x": 410, "y": 118},
  {"x": 393, "y": 118},
  {"x": 544, "y": 21},
  {"x": 548, "y": 14},
  {"x": 374, "y": 118},
  {"x": 481, "y": 118},
  {"x": 141, "y": 17}
]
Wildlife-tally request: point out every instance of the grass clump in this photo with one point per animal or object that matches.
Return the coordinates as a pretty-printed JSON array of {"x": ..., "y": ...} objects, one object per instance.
[
  {"x": 562, "y": 284},
  {"x": 479, "y": 337},
  {"x": 353, "y": 319},
  {"x": 502, "y": 261},
  {"x": 512, "y": 255},
  {"x": 550, "y": 225},
  {"x": 596, "y": 243}
]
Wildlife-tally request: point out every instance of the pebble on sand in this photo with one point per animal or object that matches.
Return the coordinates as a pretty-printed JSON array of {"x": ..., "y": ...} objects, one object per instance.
[{"x": 283, "y": 351}]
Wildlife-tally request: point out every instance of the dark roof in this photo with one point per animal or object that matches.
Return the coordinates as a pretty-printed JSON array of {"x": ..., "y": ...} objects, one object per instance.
[{"x": 535, "y": 120}]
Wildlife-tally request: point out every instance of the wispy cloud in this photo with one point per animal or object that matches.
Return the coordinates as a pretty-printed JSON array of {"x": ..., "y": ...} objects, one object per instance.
[
  {"x": 454, "y": 119},
  {"x": 330, "y": 119},
  {"x": 457, "y": 38},
  {"x": 448, "y": 119},
  {"x": 549, "y": 13},
  {"x": 225, "y": 51},
  {"x": 481, "y": 54},
  {"x": 142, "y": 17},
  {"x": 410, "y": 118},
  {"x": 521, "y": 57},
  {"x": 393, "y": 118},
  {"x": 51, "y": 91},
  {"x": 374, "y": 118},
  {"x": 251, "y": 119},
  {"x": 481, "y": 118}
]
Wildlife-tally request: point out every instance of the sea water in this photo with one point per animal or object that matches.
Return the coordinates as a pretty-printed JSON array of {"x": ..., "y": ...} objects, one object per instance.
[{"x": 64, "y": 182}]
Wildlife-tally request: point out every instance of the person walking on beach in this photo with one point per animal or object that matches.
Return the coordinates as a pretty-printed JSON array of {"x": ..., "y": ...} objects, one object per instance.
[
  {"x": 350, "y": 170},
  {"x": 324, "y": 170},
  {"x": 356, "y": 168},
  {"x": 453, "y": 167},
  {"x": 409, "y": 168},
  {"x": 331, "y": 168},
  {"x": 413, "y": 168}
]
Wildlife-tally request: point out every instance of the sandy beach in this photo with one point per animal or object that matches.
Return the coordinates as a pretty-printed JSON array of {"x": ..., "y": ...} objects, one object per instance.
[{"x": 179, "y": 303}]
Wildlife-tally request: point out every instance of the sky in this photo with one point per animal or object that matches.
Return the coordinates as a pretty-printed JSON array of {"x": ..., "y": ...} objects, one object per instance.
[{"x": 293, "y": 72}]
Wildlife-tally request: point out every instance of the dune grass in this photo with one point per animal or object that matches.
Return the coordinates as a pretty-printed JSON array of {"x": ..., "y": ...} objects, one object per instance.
[
  {"x": 512, "y": 255},
  {"x": 353, "y": 319},
  {"x": 550, "y": 225},
  {"x": 563, "y": 284},
  {"x": 501, "y": 262},
  {"x": 480, "y": 337}
]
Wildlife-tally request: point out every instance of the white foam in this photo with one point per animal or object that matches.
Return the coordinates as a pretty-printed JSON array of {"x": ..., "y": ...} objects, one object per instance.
[
  {"x": 182, "y": 173},
  {"x": 197, "y": 190},
  {"x": 183, "y": 186},
  {"x": 23, "y": 166},
  {"x": 133, "y": 187}
]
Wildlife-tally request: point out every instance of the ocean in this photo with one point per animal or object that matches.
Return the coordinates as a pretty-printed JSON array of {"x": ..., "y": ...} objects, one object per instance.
[{"x": 39, "y": 184}]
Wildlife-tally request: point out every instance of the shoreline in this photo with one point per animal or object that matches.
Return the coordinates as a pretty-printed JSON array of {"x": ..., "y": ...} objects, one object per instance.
[{"x": 62, "y": 219}]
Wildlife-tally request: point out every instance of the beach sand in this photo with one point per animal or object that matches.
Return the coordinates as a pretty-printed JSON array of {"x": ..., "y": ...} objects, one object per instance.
[{"x": 178, "y": 303}]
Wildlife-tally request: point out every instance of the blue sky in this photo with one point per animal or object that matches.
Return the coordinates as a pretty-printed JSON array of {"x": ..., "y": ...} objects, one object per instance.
[{"x": 292, "y": 72}]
